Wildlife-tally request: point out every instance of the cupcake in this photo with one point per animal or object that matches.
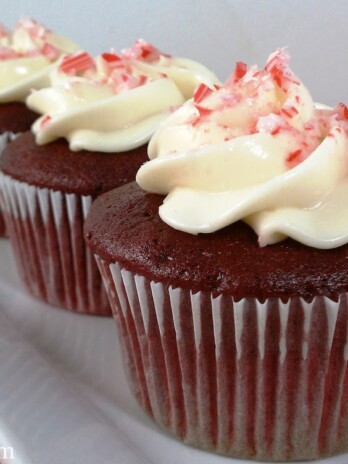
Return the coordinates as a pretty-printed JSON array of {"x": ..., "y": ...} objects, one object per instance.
[
  {"x": 27, "y": 55},
  {"x": 230, "y": 293},
  {"x": 97, "y": 117}
]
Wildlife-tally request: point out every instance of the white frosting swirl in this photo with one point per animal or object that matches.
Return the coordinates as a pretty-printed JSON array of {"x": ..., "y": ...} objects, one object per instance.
[
  {"x": 115, "y": 102},
  {"x": 258, "y": 150},
  {"x": 27, "y": 56}
]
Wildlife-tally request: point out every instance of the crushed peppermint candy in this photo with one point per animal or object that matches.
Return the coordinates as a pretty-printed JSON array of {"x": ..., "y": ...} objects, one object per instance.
[
  {"x": 272, "y": 123},
  {"x": 271, "y": 101},
  {"x": 143, "y": 50},
  {"x": 37, "y": 44},
  {"x": 76, "y": 63},
  {"x": 127, "y": 81},
  {"x": 112, "y": 60},
  {"x": 45, "y": 120},
  {"x": 199, "y": 95},
  {"x": 51, "y": 52},
  {"x": 289, "y": 111},
  {"x": 239, "y": 71},
  {"x": 201, "y": 92},
  {"x": 277, "y": 66},
  {"x": 342, "y": 111},
  {"x": 118, "y": 70},
  {"x": 293, "y": 156},
  {"x": 249, "y": 83},
  {"x": 35, "y": 29}
]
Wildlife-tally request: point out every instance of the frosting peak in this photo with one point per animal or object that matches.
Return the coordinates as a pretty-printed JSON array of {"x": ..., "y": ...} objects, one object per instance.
[
  {"x": 255, "y": 149},
  {"x": 115, "y": 101},
  {"x": 27, "y": 55}
]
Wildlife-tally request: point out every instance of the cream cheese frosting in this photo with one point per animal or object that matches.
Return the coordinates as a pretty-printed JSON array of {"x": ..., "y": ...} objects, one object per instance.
[
  {"x": 115, "y": 102},
  {"x": 27, "y": 56},
  {"x": 256, "y": 149}
]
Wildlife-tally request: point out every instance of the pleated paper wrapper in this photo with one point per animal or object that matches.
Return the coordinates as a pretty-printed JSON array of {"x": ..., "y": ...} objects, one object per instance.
[
  {"x": 5, "y": 138},
  {"x": 46, "y": 233},
  {"x": 248, "y": 379}
]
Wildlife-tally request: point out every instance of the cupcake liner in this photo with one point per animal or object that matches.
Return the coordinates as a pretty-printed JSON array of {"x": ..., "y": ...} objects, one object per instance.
[
  {"x": 5, "y": 138},
  {"x": 248, "y": 379},
  {"x": 46, "y": 232}
]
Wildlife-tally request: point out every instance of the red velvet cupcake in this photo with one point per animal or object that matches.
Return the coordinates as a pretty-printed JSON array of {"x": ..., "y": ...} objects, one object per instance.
[
  {"x": 48, "y": 191},
  {"x": 231, "y": 295},
  {"x": 106, "y": 108},
  {"x": 32, "y": 48}
]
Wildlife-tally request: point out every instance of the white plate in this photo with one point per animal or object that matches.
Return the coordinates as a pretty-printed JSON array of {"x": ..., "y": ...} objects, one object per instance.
[{"x": 63, "y": 395}]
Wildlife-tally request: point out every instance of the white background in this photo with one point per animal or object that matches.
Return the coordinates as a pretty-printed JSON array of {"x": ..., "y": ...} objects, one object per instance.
[{"x": 215, "y": 32}]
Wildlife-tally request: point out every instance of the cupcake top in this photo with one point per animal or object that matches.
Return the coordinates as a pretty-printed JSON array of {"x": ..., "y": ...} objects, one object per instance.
[
  {"x": 114, "y": 103},
  {"x": 57, "y": 168},
  {"x": 123, "y": 226},
  {"x": 256, "y": 149},
  {"x": 27, "y": 56}
]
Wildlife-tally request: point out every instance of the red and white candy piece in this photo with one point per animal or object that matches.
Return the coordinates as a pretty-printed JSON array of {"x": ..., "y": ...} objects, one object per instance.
[
  {"x": 35, "y": 29},
  {"x": 77, "y": 63},
  {"x": 142, "y": 50},
  {"x": 342, "y": 111},
  {"x": 201, "y": 92},
  {"x": 237, "y": 74},
  {"x": 277, "y": 66},
  {"x": 50, "y": 51}
]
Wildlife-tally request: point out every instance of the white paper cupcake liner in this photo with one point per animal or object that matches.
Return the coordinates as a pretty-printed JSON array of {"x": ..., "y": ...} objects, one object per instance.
[
  {"x": 46, "y": 232},
  {"x": 266, "y": 381},
  {"x": 5, "y": 139}
]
